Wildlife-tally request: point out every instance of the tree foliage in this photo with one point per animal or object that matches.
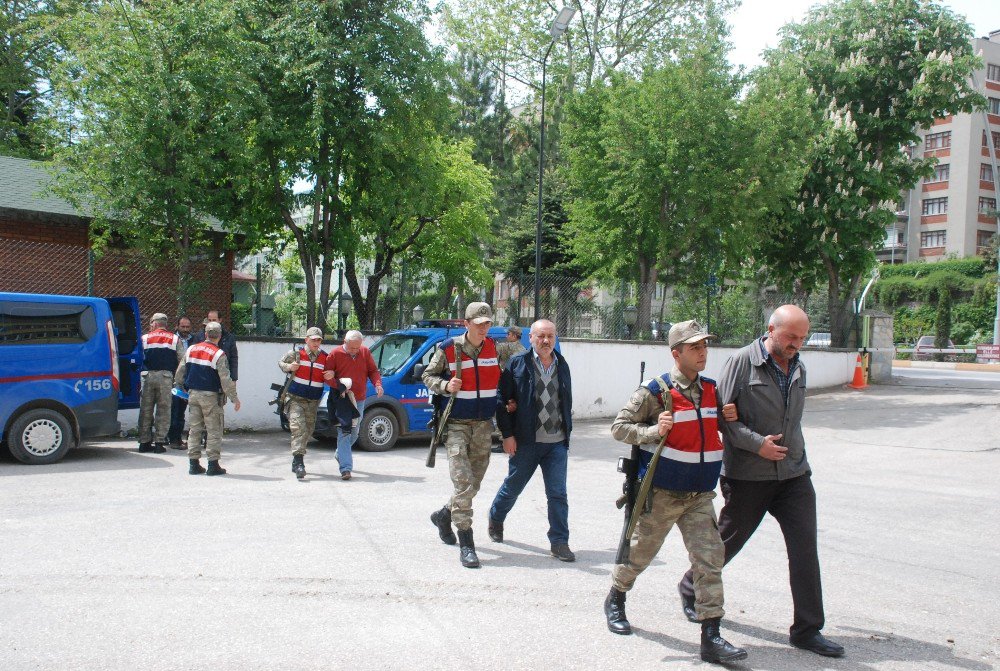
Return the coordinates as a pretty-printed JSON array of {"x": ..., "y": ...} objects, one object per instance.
[
  {"x": 877, "y": 72},
  {"x": 152, "y": 92}
]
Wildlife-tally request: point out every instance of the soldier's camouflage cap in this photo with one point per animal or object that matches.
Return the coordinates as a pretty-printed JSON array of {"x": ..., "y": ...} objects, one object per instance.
[
  {"x": 158, "y": 317},
  {"x": 477, "y": 313},
  {"x": 213, "y": 327},
  {"x": 314, "y": 332},
  {"x": 688, "y": 332}
]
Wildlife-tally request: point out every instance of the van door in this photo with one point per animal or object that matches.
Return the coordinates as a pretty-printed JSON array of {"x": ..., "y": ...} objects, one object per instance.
[{"x": 128, "y": 329}]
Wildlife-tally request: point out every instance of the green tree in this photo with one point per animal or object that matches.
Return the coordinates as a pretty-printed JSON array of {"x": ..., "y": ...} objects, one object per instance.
[
  {"x": 27, "y": 53},
  {"x": 348, "y": 101},
  {"x": 666, "y": 180},
  {"x": 877, "y": 72},
  {"x": 153, "y": 94}
]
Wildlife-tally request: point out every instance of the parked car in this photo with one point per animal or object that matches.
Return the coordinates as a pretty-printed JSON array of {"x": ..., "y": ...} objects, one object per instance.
[
  {"x": 818, "y": 339},
  {"x": 925, "y": 343},
  {"x": 67, "y": 364},
  {"x": 404, "y": 409}
]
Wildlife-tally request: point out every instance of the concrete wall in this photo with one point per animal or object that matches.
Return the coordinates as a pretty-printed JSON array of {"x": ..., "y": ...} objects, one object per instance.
[{"x": 604, "y": 375}]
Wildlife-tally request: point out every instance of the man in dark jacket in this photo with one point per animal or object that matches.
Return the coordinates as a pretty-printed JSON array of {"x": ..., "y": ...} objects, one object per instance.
[
  {"x": 535, "y": 430},
  {"x": 227, "y": 343}
]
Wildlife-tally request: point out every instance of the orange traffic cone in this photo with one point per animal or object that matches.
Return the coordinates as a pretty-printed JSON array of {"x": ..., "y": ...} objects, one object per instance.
[{"x": 859, "y": 376}]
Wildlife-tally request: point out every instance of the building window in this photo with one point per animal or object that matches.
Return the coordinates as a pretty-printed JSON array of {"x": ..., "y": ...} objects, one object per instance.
[
  {"x": 893, "y": 238},
  {"x": 985, "y": 172},
  {"x": 987, "y": 205},
  {"x": 937, "y": 140},
  {"x": 934, "y": 206},
  {"x": 933, "y": 239},
  {"x": 984, "y": 238},
  {"x": 996, "y": 139},
  {"x": 994, "y": 105},
  {"x": 941, "y": 173},
  {"x": 993, "y": 72}
]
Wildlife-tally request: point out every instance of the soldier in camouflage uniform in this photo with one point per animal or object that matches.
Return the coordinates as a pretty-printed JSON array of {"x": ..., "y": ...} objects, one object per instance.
[
  {"x": 205, "y": 375},
  {"x": 470, "y": 426},
  {"x": 305, "y": 389},
  {"x": 682, "y": 408},
  {"x": 161, "y": 352}
]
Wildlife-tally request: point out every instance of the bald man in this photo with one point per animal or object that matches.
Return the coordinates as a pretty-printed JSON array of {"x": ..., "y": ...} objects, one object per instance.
[{"x": 765, "y": 468}]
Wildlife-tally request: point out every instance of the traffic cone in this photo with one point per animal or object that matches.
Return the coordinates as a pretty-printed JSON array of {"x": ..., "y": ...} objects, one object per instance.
[{"x": 859, "y": 376}]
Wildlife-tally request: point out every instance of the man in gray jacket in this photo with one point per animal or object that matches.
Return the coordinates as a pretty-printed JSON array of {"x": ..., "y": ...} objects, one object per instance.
[{"x": 765, "y": 468}]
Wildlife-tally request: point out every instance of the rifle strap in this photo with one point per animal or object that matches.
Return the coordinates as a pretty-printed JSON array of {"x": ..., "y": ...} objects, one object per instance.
[{"x": 667, "y": 403}]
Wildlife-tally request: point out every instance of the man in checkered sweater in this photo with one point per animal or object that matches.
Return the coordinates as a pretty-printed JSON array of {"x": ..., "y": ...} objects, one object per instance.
[{"x": 534, "y": 415}]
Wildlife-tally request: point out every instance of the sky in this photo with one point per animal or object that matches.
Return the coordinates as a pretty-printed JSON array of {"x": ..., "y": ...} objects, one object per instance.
[{"x": 756, "y": 23}]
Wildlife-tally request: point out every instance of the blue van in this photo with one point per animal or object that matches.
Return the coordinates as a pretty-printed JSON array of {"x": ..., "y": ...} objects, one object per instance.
[
  {"x": 404, "y": 408},
  {"x": 67, "y": 364}
]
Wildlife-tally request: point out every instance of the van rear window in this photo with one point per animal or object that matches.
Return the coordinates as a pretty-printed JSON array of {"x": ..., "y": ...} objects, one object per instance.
[{"x": 45, "y": 323}]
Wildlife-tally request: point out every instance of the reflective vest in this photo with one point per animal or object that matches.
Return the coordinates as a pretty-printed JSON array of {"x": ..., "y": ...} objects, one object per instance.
[
  {"x": 159, "y": 350},
  {"x": 202, "y": 362},
  {"x": 477, "y": 399},
  {"x": 308, "y": 379},
  {"x": 692, "y": 458}
]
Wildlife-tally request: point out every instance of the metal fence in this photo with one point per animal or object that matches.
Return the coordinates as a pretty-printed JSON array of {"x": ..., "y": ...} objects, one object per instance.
[
  {"x": 52, "y": 268},
  {"x": 266, "y": 304}
]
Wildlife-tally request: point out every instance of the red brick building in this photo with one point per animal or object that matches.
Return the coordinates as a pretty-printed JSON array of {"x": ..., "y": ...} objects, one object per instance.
[{"x": 45, "y": 248}]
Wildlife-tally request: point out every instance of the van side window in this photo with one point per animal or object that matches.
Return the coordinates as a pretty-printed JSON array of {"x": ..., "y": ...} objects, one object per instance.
[{"x": 46, "y": 323}]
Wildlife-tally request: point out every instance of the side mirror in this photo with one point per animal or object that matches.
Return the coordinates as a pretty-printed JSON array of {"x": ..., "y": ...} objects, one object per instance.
[{"x": 418, "y": 371}]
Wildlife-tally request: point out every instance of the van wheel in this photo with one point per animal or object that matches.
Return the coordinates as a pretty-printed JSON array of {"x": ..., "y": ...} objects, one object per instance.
[
  {"x": 379, "y": 430},
  {"x": 40, "y": 436}
]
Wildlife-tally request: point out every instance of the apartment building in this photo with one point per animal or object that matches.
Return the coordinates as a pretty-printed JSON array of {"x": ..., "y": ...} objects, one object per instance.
[{"x": 953, "y": 212}]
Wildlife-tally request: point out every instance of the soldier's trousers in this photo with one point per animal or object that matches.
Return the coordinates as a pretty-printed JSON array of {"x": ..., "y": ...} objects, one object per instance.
[
  {"x": 301, "y": 421},
  {"x": 155, "y": 397},
  {"x": 694, "y": 515},
  {"x": 205, "y": 414},
  {"x": 468, "y": 444}
]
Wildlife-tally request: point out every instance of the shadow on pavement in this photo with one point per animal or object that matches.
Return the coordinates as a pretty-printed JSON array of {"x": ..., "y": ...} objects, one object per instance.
[{"x": 122, "y": 457}]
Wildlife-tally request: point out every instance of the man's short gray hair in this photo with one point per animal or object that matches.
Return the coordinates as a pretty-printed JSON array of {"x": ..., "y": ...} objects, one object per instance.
[{"x": 353, "y": 335}]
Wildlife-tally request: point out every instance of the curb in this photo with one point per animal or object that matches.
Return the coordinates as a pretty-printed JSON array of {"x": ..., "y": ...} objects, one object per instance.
[{"x": 945, "y": 365}]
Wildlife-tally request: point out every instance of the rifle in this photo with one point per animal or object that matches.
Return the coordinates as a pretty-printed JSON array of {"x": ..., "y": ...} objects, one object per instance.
[
  {"x": 439, "y": 421},
  {"x": 629, "y": 466},
  {"x": 634, "y": 491},
  {"x": 282, "y": 389}
]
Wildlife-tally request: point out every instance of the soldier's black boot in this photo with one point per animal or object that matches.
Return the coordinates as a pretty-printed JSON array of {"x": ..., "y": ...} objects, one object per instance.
[
  {"x": 716, "y": 649},
  {"x": 146, "y": 447},
  {"x": 214, "y": 468},
  {"x": 614, "y": 610},
  {"x": 196, "y": 468},
  {"x": 442, "y": 520},
  {"x": 687, "y": 604},
  {"x": 299, "y": 466},
  {"x": 467, "y": 549},
  {"x": 158, "y": 448}
]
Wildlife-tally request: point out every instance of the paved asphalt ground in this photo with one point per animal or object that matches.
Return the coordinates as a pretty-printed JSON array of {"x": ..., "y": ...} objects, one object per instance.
[{"x": 119, "y": 560}]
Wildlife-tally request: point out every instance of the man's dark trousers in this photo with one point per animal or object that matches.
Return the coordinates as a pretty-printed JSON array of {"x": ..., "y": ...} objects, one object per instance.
[
  {"x": 552, "y": 458},
  {"x": 178, "y": 406},
  {"x": 793, "y": 504}
]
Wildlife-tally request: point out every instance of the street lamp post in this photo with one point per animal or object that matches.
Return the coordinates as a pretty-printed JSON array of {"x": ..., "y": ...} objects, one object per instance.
[
  {"x": 418, "y": 315},
  {"x": 559, "y": 26},
  {"x": 346, "y": 305}
]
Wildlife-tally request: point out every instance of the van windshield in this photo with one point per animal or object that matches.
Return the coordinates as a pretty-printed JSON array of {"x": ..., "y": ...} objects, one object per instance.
[{"x": 392, "y": 351}]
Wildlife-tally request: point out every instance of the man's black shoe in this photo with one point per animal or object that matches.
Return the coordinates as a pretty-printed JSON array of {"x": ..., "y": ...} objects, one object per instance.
[
  {"x": 563, "y": 553},
  {"x": 442, "y": 520},
  {"x": 214, "y": 468},
  {"x": 146, "y": 447},
  {"x": 158, "y": 448},
  {"x": 716, "y": 649},
  {"x": 175, "y": 445},
  {"x": 299, "y": 466},
  {"x": 819, "y": 644},
  {"x": 687, "y": 605},
  {"x": 496, "y": 531},
  {"x": 614, "y": 611},
  {"x": 195, "y": 468}
]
